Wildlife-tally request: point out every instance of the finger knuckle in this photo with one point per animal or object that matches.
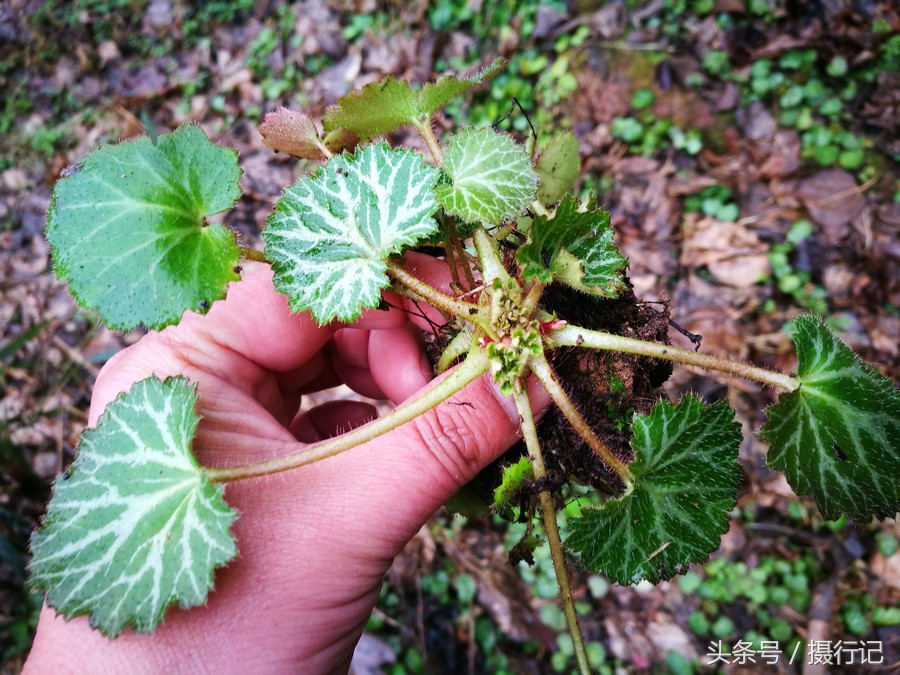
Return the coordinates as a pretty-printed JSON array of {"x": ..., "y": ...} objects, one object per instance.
[{"x": 449, "y": 433}]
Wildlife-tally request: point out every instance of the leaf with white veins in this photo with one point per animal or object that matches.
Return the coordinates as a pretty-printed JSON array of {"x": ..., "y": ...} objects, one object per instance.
[
  {"x": 491, "y": 177},
  {"x": 686, "y": 478},
  {"x": 331, "y": 234},
  {"x": 135, "y": 525},
  {"x": 837, "y": 437}
]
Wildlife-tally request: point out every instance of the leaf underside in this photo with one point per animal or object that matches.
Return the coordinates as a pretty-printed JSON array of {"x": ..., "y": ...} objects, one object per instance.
[
  {"x": 331, "y": 234},
  {"x": 293, "y": 133},
  {"x": 135, "y": 525},
  {"x": 381, "y": 107},
  {"x": 127, "y": 230},
  {"x": 837, "y": 437},
  {"x": 574, "y": 248},
  {"x": 686, "y": 478},
  {"x": 559, "y": 166},
  {"x": 491, "y": 177}
]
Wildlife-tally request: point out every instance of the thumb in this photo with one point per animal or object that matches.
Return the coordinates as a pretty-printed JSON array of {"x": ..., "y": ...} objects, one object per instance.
[{"x": 413, "y": 470}]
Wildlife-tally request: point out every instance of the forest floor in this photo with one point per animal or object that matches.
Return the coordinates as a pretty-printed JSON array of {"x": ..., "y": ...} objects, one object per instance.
[{"x": 747, "y": 153}]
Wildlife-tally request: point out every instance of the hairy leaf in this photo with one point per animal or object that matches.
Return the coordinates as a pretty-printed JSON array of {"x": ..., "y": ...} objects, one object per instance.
[
  {"x": 514, "y": 477},
  {"x": 135, "y": 525},
  {"x": 559, "y": 166},
  {"x": 331, "y": 234},
  {"x": 293, "y": 133},
  {"x": 491, "y": 177},
  {"x": 575, "y": 248},
  {"x": 381, "y": 107},
  {"x": 686, "y": 479},
  {"x": 127, "y": 229},
  {"x": 376, "y": 109},
  {"x": 837, "y": 437},
  {"x": 435, "y": 95}
]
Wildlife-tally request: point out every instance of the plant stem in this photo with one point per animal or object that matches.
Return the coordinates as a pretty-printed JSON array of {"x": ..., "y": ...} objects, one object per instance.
[
  {"x": 431, "y": 140},
  {"x": 422, "y": 291},
  {"x": 455, "y": 281},
  {"x": 474, "y": 365},
  {"x": 491, "y": 266},
  {"x": 324, "y": 149},
  {"x": 529, "y": 303},
  {"x": 548, "y": 512},
  {"x": 544, "y": 373},
  {"x": 253, "y": 254},
  {"x": 582, "y": 337},
  {"x": 456, "y": 245}
]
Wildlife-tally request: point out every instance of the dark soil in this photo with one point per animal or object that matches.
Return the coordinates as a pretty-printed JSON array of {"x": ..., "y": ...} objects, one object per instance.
[{"x": 607, "y": 388}]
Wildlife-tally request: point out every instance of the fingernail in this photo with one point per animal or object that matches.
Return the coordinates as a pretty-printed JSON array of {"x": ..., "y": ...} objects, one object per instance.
[
  {"x": 425, "y": 367},
  {"x": 506, "y": 402}
]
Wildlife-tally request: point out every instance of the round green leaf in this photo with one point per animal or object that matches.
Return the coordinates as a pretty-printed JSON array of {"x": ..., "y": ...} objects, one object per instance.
[
  {"x": 331, "y": 234},
  {"x": 135, "y": 525},
  {"x": 436, "y": 94},
  {"x": 127, "y": 228},
  {"x": 374, "y": 110},
  {"x": 381, "y": 107},
  {"x": 491, "y": 176}
]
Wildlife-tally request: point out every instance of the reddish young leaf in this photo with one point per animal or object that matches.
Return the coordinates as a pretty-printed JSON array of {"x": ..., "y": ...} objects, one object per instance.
[{"x": 292, "y": 133}]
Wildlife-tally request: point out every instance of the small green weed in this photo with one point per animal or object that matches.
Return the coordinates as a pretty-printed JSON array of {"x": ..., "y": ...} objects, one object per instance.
[
  {"x": 539, "y": 75},
  {"x": 715, "y": 201},
  {"x": 793, "y": 282},
  {"x": 728, "y": 589},
  {"x": 200, "y": 17},
  {"x": 812, "y": 96},
  {"x": 645, "y": 133}
]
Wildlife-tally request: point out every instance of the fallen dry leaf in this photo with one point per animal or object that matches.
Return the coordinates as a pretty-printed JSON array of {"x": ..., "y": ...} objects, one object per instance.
[
  {"x": 783, "y": 155},
  {"x": 732, "y": 253},
  {"x": 833, "y": 200}
]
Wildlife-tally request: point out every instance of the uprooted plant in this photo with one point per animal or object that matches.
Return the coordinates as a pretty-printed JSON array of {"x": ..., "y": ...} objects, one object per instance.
[{"x": 538, "y": 288}]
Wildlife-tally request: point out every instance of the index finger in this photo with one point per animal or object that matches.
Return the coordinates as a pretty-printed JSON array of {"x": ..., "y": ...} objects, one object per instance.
[{"x": 241, "y": 340}]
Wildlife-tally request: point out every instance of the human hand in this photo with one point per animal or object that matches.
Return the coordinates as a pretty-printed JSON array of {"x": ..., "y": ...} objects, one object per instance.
[{"x": 314, "y": 542}]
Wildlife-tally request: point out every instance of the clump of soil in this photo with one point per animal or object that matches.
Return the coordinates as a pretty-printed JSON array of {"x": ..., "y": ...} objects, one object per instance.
[{"x": 606, "y": 387}]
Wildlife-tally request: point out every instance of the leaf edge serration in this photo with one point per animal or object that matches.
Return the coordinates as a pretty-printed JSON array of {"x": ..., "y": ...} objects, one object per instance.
[
  {"x": 617, "y": 513},
  {"x": 295, "y": 284},
  {"x": 458, "y": 189},
  {"x": 73, "y": 607},
  {"x": 832, "y": 501}
]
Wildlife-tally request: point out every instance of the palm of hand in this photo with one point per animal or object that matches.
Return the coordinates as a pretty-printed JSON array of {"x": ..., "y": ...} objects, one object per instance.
[{"x": 314, "y": 544}]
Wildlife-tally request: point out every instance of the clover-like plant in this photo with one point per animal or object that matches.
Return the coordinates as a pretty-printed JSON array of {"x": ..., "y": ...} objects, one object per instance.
[{"x": 136, "y": 524}]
